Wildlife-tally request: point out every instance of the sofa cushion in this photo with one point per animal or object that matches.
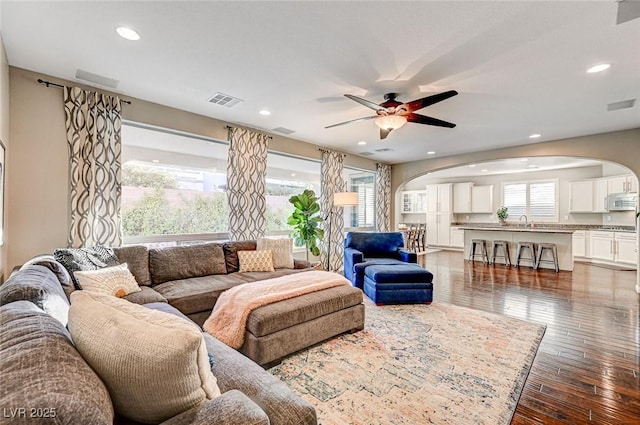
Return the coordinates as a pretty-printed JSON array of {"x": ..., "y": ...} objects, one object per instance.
[
  {"x": 40, "y": 286},
  {"x": 231, "y": 253},
  {"x": 281, "y": 249},
  {"x": 58, "y": 269},
  {"x": 375, "y": 245},
  {"x": 182, "y": 262},
  {"x": 116, "y": 281},
  {"x": 41, "y": 368},
  {"x": 82, "y": 259},
  {"x": 274, "y": 317},
  {"x": 146, "y": 295},
  {"x": 198, "y": 293},
  {"x": 255, "y": 261},
  {"x": 154, "y": 364},
  {"x": 137, "y": 259}
]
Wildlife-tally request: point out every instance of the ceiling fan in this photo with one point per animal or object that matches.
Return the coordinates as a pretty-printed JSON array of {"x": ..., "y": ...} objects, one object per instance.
[{"x": 391, "y": 114}]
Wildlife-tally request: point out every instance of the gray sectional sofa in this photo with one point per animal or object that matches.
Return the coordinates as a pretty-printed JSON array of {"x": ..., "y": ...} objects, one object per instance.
[{"x": 40, "y": 366}]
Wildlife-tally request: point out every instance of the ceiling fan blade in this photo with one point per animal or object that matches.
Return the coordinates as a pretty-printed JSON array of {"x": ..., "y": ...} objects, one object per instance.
[
  {"x": 350, "y": 121},
  {"x": 384, "y": 132},
  {"x": 422, "y": 119},
  {"x": 365, "y": 102},
  {"x": 418, "y": 104}
]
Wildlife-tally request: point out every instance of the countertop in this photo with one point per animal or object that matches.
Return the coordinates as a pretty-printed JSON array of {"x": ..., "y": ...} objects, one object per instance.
[{"x": 516, "y": 229}]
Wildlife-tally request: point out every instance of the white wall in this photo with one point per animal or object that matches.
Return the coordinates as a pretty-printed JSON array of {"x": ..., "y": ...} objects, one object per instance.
[{"x": 4, "y": 136}]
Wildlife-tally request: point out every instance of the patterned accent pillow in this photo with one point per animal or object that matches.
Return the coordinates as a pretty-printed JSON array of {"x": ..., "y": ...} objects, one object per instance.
[
  {"x": 256, "y": 261},
  {"x": 116, "y": 281},
  {"x": 282, "y": 250},
  {"x": 83, "y": 259},
  {"x": 155, "y": 364}
]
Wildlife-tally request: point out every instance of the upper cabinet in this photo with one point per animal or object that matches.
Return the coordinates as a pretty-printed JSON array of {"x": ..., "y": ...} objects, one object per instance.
[
  {"x": 462, "y": 197},
  {"x": 468, "y": 198},
  {"x": 600, "y": 192},
  {"x": 622, "y": 184},
  {"x": 414, "y": 201},
  {"x": 582, "y": 195},
  {"x": 439, "y": 198}
]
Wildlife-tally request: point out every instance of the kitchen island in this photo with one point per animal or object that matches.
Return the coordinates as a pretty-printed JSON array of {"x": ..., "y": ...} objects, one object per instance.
[{"x": 514, "y": 234}]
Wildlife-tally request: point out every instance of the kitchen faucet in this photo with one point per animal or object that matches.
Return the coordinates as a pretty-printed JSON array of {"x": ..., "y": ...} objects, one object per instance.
[{"x": 525, "y": 219}]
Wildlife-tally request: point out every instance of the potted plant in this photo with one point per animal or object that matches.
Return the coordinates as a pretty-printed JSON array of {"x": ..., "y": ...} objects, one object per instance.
[
  {"x": 304, "y": 219},
  {"x": 503, "y": 214}
]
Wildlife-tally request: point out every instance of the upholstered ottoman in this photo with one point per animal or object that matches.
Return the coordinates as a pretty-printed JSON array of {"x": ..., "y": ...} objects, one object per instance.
[{"x": 398, "y": 284}]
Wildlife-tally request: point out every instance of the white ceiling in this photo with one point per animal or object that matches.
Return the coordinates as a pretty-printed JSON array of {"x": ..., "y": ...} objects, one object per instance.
[{"x": 519, "y": 66}]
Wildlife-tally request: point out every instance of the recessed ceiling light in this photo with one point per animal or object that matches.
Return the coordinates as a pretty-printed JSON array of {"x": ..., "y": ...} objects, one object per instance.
[
  {"x": 484, "y": 170},
  {"x": 293, "y": 174},
  {"x": 524, "y": 159},
  {"x": 598, "y": 68},
  {"x": 362, "y": 143},
  {"x": 534, "y": 136},
  {"x": 472, "y": 165},
  {"x": 264, "y": 112},
  {"x": 128, "y": 33},
  {"x": 431, "y": 153},
  {"x": 532, "y": 166},
  {"x": 155, "y": 161}
]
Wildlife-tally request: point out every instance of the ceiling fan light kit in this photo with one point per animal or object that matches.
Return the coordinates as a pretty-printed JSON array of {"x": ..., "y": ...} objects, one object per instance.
[
  {"x": 390, "y": 122},
  {"x": 391, "y": 114}
]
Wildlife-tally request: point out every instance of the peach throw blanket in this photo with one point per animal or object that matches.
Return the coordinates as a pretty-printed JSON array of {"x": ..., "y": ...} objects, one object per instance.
[{"x": 228, "y": 319}]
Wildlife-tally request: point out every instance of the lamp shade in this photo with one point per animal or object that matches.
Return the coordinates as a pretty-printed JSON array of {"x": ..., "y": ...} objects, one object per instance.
[
  {"x": 343, "y": 199},
  {"x": 390, "y": 122}
]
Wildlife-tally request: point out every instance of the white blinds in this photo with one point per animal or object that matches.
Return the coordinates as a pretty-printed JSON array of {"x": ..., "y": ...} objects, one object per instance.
[
  {"x": 542, "y": 200},
  {"x": 515, "y": 199},
  {"x": 536, "y": 200}
]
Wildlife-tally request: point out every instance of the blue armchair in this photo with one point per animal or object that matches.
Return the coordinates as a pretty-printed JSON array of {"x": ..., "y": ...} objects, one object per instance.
[{"x": 363, "y": 249}]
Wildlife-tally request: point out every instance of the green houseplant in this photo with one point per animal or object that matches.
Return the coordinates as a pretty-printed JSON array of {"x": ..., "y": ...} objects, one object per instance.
[
  {"x": 502, "y": 214},
  {"x": 305, "y": 219}
]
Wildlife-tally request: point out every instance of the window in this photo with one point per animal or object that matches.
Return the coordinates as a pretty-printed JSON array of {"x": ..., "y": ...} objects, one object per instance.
[
  {"x": 362, "y": 182},
  {"x": 536, "y": 200},
  {"x": 287, "y": 176},
  {"x": 172, "y": 184}
]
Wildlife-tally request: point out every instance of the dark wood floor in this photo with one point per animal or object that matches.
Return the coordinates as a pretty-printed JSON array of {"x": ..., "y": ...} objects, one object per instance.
[{"x": 587, "y": 369}]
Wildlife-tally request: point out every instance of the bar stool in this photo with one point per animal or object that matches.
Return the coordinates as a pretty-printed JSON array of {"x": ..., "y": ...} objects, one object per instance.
[
  {"x": 420, "y": 237},
  {"x": 554, "y": 253},
  {"x": 505, "y": 252},
  {"x": 532, "y": 250},
  {"x": 483, "y": 247}
]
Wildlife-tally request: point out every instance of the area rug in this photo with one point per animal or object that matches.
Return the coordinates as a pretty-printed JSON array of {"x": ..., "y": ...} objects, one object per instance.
[{"x": 417, "y": 364}]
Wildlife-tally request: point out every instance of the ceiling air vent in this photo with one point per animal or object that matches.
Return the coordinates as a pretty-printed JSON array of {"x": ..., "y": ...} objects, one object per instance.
[
  {"x": 224, "y": 100},
  {"x": 283, "y": 130},
  {"x": 383, "y": 150},
  {"x": 621, "y": 105},
  {"x": 96, "y": 79},
  {"x": 365, "y": 153}
]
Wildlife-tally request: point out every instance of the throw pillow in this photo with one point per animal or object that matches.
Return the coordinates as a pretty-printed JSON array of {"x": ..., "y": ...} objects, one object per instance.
[
  {"x": 255, "y": 261},
  {"x": 82, "y": 259},
  {"x": 154, "y": 364},
  {"x": 282, "y": 250},
  {"x": 116, "y": 280}
]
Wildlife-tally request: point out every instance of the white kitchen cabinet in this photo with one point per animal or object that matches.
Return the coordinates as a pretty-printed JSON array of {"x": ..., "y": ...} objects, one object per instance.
[
  {"x": 439, "y": 198},
  {"x": 600, "y": 192},
  {"x": 462, "y": 197},
  {"x": 602, "y": 246},
  {"x": 414, "y": 201},
  {"x": 457, "y": 238},
  {"x": 438, "y": 229},
  {"x": 482, "y": 199},
  {"x": 579, "y": 244},
  {"x": 581, "y": 196},
  {"x": 622, "y": 184},
  {"x": 625, "y": 248}
]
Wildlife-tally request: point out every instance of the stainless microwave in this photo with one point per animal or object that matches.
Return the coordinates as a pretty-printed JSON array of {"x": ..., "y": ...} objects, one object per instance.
[{"x": 622, "y": 201}]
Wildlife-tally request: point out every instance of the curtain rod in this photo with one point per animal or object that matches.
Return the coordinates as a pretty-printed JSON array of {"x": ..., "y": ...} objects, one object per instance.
[
  {"x": 50, "y": 84},
  {"x": 228, "y": 127}
]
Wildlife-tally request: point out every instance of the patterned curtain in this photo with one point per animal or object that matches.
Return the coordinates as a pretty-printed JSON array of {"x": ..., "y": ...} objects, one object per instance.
[
  {"x": 383, "y": 198},
  {"x": 331, "y": 181},
  {"x": 93, "y": 123},
  {"x": 246, "y": 183}
]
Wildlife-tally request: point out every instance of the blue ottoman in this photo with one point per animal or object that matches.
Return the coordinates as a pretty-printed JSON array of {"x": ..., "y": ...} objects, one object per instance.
[{"x": 398, "y": 284}]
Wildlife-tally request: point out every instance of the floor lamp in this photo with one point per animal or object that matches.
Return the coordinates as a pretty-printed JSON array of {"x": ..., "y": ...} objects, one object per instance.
[{"x": 340, "y": 199}]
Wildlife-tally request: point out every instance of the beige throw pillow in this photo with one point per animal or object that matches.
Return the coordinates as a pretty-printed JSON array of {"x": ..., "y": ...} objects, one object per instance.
[
  {"x": 154, "y": 364},
  {"x": 116, "y": 281},
  {"x": 282, "y": 250},
  {"x": 255, "y": 261}
]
